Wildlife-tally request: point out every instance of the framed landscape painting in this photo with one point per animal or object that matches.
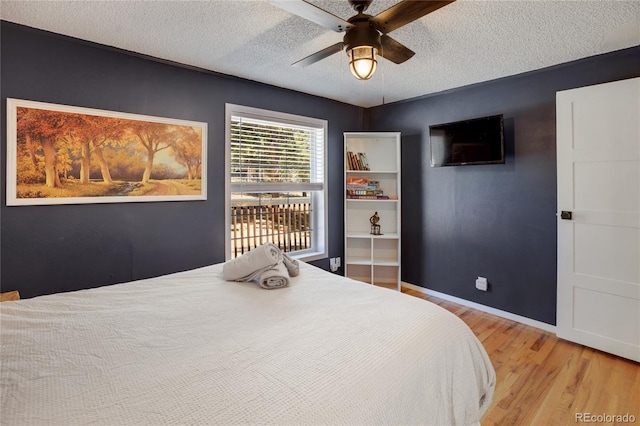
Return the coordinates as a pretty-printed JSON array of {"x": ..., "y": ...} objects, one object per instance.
[{"x": 58, "y": 154}]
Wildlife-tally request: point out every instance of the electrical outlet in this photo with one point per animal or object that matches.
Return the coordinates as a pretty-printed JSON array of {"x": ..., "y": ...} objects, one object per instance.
[
  {"x": 334, "y": 263},
  {"x": 482, "y": 283},
  {"x": 338, "y": 262}
]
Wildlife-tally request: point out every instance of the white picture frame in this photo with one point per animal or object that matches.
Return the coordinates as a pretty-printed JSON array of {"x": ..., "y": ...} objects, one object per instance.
[{"x": 60, "y": 154}]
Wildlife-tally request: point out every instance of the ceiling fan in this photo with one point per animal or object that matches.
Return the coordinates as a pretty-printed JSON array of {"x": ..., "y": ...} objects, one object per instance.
[{"x": 365, "y": 35}]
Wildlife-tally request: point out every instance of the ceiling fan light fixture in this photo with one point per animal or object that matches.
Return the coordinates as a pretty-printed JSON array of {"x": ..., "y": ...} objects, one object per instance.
[
  {"x": 362, "y": 61},
  {"x": 365, "y": 36}
]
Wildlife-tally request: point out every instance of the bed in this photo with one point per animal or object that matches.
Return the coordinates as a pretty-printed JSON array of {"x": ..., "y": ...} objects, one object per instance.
[{"x": 190, "y": 348}]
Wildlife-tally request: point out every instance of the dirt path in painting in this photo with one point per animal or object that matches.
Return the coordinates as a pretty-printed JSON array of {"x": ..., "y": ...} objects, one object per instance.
[{"x": 171, "y": 188}]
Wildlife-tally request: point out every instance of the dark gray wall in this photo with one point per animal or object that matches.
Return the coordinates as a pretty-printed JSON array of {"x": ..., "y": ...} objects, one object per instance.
[
  {"x": 496, "y": 221},
  {"x": 47, "y": 249}
]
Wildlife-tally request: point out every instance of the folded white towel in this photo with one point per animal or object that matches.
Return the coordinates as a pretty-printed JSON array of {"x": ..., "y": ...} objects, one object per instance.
[
  {"x": 251, "y": 264},
  {"x": 291, "y": 264},
  {"x": 276, "y": 277}
]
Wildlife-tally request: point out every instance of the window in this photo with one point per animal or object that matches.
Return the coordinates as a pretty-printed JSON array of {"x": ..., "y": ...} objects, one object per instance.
[{"x": 276, "y": 178}]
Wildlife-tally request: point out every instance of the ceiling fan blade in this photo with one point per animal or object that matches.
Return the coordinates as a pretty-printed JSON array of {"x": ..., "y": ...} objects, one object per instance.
[
  {"x": 394, "y": 50},
  {"x": 319, "y": 55},
  {"x": 313, "y": 14},
  {"x": 405, "y": 12}
]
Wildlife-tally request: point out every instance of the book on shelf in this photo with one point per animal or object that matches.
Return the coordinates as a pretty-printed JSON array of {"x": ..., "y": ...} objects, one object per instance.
[
  {"x": 363, "y": 160},
  {"x": 364, "y": 192},
  {"x": 370, "y": 197},
  {"x": 351, "y": 165},
  {"x": 363, "y": 188},
  {"x": 357, "y": 181},
  {"x": 362, "y": 184},
  {"x": 357, "y": 161}
]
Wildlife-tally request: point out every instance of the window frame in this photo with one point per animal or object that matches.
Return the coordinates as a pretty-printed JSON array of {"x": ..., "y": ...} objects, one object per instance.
[{"x": 320, "y": 219}]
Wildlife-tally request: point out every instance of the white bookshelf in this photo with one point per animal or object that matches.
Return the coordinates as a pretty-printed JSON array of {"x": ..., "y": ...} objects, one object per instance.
[{"x": 374, "y": 259}]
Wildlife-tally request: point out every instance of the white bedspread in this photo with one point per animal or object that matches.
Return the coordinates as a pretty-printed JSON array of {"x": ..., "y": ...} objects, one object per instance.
[{"x": 190, "y": 348}]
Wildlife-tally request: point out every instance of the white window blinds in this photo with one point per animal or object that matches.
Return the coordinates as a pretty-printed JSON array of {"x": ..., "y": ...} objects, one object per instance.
[{"x": 269, "y": 156}]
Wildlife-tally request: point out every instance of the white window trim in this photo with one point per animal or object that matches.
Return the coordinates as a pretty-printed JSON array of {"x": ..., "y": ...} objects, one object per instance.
[{"x": 321, "y": 212}]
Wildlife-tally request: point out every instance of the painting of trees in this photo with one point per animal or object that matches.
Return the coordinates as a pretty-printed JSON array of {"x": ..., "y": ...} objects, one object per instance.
[
  {"x": 189, "y": 152},
  {"x": 76, "y": 155},
  {"x": 38, "y": 131}
]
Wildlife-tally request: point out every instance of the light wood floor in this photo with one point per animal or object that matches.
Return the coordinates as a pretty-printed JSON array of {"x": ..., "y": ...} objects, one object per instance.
[{"x": 543, "y": 380}]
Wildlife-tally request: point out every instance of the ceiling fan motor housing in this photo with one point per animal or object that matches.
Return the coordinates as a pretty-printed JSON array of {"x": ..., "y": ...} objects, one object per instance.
[
  {"x": 362, "y": 34},
  {"x": 360, "y": 5},
  {"x": 366, "y": 36}
]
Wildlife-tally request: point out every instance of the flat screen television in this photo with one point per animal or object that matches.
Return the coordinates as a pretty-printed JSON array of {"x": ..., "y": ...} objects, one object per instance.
[{"x": 468, "y": 142}]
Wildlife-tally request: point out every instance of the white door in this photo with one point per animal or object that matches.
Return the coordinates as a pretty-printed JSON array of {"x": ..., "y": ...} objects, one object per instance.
[{"x": 598, "y": 149}]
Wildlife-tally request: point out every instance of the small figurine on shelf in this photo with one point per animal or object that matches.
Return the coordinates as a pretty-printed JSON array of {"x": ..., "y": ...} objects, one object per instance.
[{"x": 375, "y": 228}]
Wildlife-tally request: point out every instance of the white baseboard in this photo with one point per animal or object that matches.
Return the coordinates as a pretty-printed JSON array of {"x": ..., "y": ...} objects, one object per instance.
[{"x": 488, "y": 309}]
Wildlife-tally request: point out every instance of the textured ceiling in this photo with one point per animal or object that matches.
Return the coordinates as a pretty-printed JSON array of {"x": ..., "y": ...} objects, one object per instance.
[{"x": 463, "y": 43}]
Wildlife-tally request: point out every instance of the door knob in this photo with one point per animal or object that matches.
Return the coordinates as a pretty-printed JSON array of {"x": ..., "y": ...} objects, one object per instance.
[{"x": 565, "y": 215}]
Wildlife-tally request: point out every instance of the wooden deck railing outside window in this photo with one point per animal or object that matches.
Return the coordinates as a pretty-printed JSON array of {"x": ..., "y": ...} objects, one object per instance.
[{"x": 287, "y": 225}]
